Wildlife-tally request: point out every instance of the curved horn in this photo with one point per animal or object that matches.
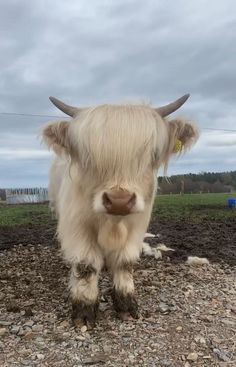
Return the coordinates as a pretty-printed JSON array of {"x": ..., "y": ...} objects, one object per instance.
[
  {"x": 172, "y": 107},
  {"x": 68, "y": 110}
]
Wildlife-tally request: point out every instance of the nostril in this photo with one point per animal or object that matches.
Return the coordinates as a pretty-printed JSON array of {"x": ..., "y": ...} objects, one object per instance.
[
  {"x": 132, "y": 201},
  {"x": 106, "y": 201}
]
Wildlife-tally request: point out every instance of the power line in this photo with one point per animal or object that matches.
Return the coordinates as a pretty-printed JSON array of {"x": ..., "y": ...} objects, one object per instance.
[
  {"x": 215, "y": 129},
  {"x": 29, "y": 114},
  {"x": 56, "y": 116}
]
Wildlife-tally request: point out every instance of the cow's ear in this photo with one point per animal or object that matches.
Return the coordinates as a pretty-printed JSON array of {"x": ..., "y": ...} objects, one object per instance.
[
  {"x": 182, "y": 135},
  {"x": 56, "y": 136}
]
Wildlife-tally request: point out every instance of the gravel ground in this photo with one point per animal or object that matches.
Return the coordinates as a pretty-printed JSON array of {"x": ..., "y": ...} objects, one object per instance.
[{"x": 188, "y": 315}]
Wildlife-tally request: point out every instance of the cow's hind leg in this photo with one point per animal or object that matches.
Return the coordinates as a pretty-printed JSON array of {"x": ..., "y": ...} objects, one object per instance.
[
  {"x": 123, "y": 291},
  {"x": 84, "y": 294}
]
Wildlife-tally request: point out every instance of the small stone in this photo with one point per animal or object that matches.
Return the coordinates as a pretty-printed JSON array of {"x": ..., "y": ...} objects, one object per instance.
[
  {"x": 179, "y": 328},
  {"x": 15, "y": 329},
  {"x": 192, "y": 357},
  {"x": 40, "y": 356},
  {"x": 83, "y": 329},
  {"x": 130, "y": 327},
  {"x": 64, "y": 324},
  {"x": 187, "y": 364},
  {"x": 21, "y": 332},
  {"x": 29, "y": 323},
  {"x": 166, "y": 363},
  {"x": 107, "y": 349},
  {"x": 233, "y": 309},
  {"x": 26, "y": 362},
  {"x": 39, "y": 340},
  {"x": 80, "y": 337},
  {"x": 5, "y": 323},
  {"x": 163, "y": 307},
  {"x": 65, "y": 344},
  {"x": 66, "y": 335},
  {"x": 95, "y": 359},
  {"x": 206, "y": 318},
  {"x": 29, "y": 335},
  {"x": 222, "y": 355},
  {"x": 24, "y": 352},
  {"x": 228, "y": 322},
  {"x": 37, "y": 328},
  {"x": 3, "y": 331}
]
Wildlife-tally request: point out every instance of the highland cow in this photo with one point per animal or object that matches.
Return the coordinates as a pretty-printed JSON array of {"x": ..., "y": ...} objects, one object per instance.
[{"x": 102, "y": 187}]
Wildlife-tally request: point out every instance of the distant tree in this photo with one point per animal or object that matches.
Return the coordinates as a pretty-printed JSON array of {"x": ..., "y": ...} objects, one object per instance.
[{"x": 204, "y": 182}]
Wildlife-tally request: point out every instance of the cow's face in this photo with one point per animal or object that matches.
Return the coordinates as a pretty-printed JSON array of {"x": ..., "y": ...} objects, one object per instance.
[
  {"x": 125, "y": 197},
  {"x": 117, "y": 151}
]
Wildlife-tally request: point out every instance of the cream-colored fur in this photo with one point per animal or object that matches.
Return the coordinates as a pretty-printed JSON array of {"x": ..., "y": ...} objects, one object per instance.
[
  {"x": 123, "y": 281},
  {"x": 58, "y": 169},
  {"x": 101, "y": 149},
  {"x": 85, "y": 289}
]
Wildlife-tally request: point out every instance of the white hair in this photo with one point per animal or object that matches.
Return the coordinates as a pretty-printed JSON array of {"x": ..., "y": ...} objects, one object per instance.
[
  {"x": 104, "y": 148},
  {"x": 118, "y": 141}
]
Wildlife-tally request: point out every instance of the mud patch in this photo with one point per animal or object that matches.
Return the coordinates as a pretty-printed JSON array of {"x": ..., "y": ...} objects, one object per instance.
[
  {"x": 40, "y": 230},
  {"x": 210, "y": 238},
  {"x": 215, "y": 240}
]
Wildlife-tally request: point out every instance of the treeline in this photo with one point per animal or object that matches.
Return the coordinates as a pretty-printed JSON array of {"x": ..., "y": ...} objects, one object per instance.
[
  {"x": 195, "y": 183},
  {"x": 189, "y": 183}
]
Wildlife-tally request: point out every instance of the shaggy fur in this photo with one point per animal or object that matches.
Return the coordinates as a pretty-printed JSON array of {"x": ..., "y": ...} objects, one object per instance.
[{"x": 106, "y": 148}]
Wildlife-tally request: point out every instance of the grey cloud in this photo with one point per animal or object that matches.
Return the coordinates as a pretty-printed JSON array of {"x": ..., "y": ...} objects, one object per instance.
[
  {"x": 24, "y": 173},
  {"x": 94, "y": 52}
]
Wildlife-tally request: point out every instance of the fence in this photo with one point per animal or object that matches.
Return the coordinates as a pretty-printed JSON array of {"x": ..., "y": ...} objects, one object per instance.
[{"x": 32, "y": 195}]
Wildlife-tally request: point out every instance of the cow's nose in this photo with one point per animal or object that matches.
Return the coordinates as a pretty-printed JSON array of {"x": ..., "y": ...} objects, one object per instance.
[{"x": 119, "y": 202}]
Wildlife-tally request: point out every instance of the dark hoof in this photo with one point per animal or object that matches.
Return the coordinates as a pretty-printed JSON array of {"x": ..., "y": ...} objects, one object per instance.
[
  {"x": 125, "y": 305},
  {"x": 83, "y": 314}
]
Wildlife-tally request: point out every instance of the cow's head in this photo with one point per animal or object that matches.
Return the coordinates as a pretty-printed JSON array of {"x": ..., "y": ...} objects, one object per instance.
[{"x": 117, "y": 150}]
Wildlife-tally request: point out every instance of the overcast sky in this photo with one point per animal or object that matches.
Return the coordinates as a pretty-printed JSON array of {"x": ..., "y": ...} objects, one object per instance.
[{"x": 98, "y": 51}]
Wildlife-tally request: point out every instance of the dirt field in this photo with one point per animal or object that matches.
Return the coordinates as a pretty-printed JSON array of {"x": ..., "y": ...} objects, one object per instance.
[{"x": 188, "y": 314}]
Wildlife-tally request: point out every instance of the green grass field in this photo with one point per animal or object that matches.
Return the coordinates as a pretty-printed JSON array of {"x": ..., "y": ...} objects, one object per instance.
[
  {"x": 196, "y": 207},
  {"x": 11, "y": 215}
]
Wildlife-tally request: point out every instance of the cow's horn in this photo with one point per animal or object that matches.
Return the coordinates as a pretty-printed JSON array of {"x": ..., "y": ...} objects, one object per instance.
[
  {"x": 68, "y": 110},
  {"x": 172, "y": 107}
]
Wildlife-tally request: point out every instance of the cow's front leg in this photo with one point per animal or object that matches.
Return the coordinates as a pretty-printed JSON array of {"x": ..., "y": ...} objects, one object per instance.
[
  {"x": 84, "y": 293},
  {"x": 123, "y": 291}
]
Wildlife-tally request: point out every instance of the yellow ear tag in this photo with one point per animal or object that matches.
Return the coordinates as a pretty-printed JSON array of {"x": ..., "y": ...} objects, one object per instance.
[{"x": 178, "y": 146}]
